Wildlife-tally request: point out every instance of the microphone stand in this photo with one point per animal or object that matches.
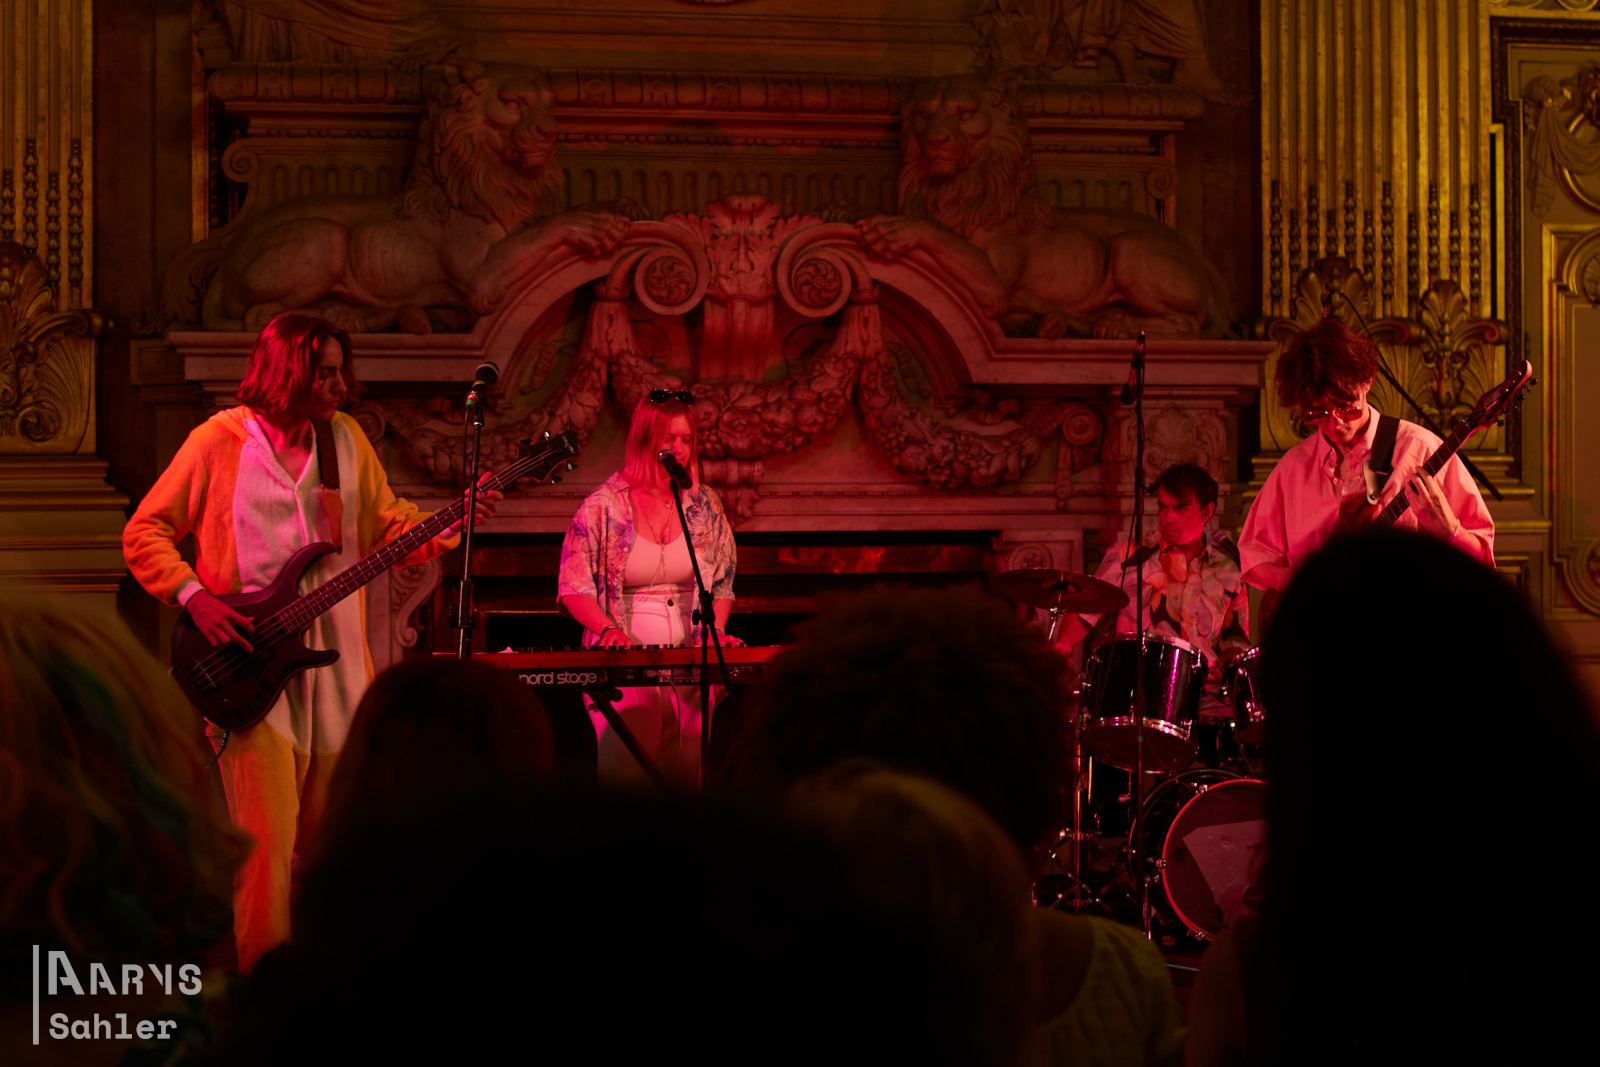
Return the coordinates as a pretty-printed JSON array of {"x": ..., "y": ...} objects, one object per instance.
[
  {"x": 1140, "y": 879},
  {"x": 471, "y": 430},
  {"x": 706, "y": 617}
]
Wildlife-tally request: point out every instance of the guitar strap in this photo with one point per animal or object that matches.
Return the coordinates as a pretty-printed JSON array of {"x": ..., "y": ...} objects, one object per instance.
[
  {"x": 1381, "y": 462},
  {"x": 328, "y": 464}
]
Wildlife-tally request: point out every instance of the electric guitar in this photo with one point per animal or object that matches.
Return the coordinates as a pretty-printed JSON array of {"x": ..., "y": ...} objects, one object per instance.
[
  {"x": 1490, "y": 409},
  {"x": 235, "y": 689}
]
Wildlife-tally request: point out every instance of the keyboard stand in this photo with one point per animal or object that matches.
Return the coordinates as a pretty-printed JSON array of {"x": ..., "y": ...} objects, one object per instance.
[{"x": 603, "y": 695}]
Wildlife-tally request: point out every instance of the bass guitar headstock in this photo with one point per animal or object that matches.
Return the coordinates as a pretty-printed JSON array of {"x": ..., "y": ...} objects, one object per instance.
[
  {"x": 1493, "y": 405},
  {"x": 538, "y": 460}
]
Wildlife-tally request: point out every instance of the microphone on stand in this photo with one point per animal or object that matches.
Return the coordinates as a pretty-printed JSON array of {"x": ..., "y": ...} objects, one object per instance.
[
  {"x": 675, "y": 470},
  {"x": 1133, "y": 371},
  {"x": 486, "y": 375}
]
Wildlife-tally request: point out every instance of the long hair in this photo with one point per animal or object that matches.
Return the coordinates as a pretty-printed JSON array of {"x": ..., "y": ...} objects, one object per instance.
[
  {"x": 425, "y": 732},
  {"x": 1432, "y": 766},
  {"x": 650, "y": 421},
  {"x": 932, "y": 859},
  {"x": 113, "y": 843},
  {"x": 283, "y": 364},
  {"x": 1328, "y": 360}
]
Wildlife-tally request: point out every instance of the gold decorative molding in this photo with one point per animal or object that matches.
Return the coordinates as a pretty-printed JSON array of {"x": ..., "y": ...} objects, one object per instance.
[
  {"x": 1380, "y": 108},
  {"x": 47, "y": 140},
  {"x": 46, "y": 362},
  {"x": 1569, "y": 398}
]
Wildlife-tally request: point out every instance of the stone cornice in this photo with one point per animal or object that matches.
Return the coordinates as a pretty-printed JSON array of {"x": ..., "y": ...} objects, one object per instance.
[{"x": 648, "y": 94}]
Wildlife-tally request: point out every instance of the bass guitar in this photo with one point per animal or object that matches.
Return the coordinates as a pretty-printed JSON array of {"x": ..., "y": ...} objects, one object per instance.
[{"x": 235, "y": 689}]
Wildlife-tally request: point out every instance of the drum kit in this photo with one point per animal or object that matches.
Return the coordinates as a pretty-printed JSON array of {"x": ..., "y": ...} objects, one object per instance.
[{"x": 1197, "y": 821}]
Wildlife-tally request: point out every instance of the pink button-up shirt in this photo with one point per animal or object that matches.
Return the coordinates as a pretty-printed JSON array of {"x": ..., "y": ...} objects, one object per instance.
[{"x": 1299, "y": 505}]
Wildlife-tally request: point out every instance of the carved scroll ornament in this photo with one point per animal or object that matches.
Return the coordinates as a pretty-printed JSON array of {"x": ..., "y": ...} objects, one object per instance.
[
  {"x": 46, "y": 362},
  {"x": 733, "y": 255}
]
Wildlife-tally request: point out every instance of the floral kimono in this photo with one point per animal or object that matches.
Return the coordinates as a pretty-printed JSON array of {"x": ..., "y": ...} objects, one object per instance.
[{"x": 594, "y": 555}]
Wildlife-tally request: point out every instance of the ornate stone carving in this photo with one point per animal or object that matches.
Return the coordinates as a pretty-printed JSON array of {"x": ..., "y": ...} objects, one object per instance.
[
  {"x": 743, "y": 257},
  {"x": 970, "y": 202},
  {"x": 451, "y": 239},
  {"x": 46, "y": 362},
  {"x": 1042, "y": 37},
  {"x": 408, "y": 588},
  {"x": 741, "y": 235},
  {"x": 401, "y": 32},
  {"x": 1030, "y": 556}
]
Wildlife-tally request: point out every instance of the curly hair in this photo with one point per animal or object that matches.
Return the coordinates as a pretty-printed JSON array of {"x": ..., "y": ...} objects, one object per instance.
[
  {"x": 941, "y": 682},
  {"x": 111, "y": 842},
  {"x": 1328, "y": 361},
  {"x": 282, "y": 372}
]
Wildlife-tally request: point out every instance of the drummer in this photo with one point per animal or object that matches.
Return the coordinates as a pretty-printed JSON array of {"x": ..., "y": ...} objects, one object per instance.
[{"x": 1192, "y": 585}]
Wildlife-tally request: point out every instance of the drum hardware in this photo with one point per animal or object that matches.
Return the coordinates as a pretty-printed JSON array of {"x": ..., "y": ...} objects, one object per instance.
[{"x": 1173, "y": 677}]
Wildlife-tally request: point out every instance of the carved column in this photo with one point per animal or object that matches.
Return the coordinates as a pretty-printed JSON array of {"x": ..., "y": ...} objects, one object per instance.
[{"x": 60, "y": 523}]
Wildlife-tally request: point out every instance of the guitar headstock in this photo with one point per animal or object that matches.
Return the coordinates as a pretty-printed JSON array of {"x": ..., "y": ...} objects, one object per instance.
[
  {"x": 1493, "y": 405},
  {"x": 538, "y": 460}
]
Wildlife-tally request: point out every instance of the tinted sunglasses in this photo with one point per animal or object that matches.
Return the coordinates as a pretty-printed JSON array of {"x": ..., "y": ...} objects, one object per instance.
[{"x": 661, "y": 396}]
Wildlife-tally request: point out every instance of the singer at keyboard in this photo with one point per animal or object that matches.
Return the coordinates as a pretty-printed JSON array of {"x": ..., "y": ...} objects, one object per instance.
[{"x": 626, "y": 577}]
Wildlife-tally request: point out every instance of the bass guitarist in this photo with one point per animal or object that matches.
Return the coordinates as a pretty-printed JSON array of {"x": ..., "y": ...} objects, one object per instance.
[
  {"x": 254, "y": 484},
  {"x": 1356, "y": 462}
]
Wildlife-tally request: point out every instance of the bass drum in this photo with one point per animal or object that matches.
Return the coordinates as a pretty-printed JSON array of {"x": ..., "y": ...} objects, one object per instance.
[{"x": 1211, "y": 829}]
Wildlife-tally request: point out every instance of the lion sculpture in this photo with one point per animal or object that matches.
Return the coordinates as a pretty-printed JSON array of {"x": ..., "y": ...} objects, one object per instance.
[
  {"x": 477, "y": 215},
  {"x": 971, "y": 201}
]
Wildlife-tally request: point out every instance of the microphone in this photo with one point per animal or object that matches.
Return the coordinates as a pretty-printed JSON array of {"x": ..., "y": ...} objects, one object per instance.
[
  {"x": 675, "y": 470},
  {"x": 1133, "y": 371},
  {"x": 487, "y": 374}
]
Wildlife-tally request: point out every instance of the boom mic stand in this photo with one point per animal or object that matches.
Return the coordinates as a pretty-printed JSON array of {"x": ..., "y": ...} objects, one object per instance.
[
  {"x": 705, "y": 616},
  {"x": 486, "y": 375},
  {"x": 1140, "y": 880}
]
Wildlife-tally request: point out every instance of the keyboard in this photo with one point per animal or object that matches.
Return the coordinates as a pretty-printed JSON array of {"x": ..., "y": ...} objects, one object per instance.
[{"x": 630, "y": 666}]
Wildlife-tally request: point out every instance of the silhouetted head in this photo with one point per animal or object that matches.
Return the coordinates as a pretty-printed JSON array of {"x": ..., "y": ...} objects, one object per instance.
[{"x": 940, "y": 682}]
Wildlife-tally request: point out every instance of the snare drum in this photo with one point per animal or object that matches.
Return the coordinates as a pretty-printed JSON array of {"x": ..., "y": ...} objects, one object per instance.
[
  {"x": 1241, "y": 681},
  {"x": 1174, "y": 679},
  {"x": 1212, "y": 830}
]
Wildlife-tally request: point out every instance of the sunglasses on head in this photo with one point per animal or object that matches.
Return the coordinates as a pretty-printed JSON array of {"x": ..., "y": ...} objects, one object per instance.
[{"x": 661, "y": 396}]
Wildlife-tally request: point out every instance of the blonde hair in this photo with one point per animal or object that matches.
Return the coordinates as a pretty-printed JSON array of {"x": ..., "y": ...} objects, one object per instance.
[
  {"x": 929, "y": 857},
  {"x": 650, "y": 420},
  {"x": 111, "y": 842}
]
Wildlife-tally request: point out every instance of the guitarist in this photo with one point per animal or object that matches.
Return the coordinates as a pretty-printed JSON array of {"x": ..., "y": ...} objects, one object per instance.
[
  {"x": 254, "y": 484},
  {"x": 1354, "y": 464}
]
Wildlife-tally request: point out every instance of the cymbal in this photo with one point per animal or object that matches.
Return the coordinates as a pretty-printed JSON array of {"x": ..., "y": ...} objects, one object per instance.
[{"x": 1066, "y": 590}]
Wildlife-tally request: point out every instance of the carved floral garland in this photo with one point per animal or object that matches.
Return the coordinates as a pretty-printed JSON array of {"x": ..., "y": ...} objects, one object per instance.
[{"x": 741, "y": 421}]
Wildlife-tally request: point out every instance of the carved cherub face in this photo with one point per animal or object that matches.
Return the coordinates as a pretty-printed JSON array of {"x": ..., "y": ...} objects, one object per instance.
[
  {"x": 521, "y": 106},
  {"x": 947, "y": 116}
]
